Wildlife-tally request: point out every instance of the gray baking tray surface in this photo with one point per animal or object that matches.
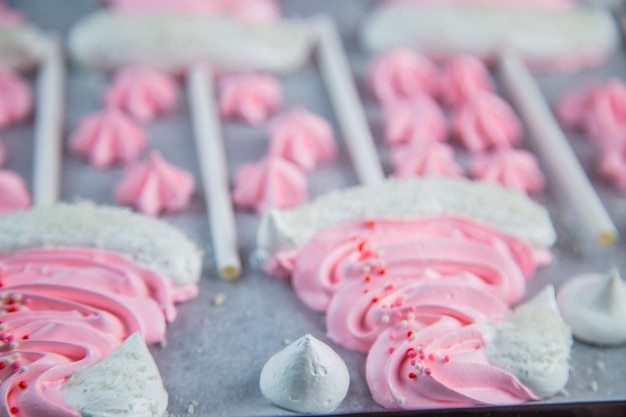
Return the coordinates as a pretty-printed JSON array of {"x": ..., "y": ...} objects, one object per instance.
[{"x": 214, "y": 352}]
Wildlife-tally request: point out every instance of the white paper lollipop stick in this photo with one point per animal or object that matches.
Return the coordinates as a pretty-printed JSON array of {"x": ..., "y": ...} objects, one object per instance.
[
  {"x": 212, "y": 159},
  {"x": 49, "y": 126},
  {"x": 554, "y": 150},
  {"x": 336, "y": 74}
]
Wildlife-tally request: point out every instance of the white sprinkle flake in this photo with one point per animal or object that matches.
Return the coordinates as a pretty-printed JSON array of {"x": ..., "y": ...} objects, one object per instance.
[
  {"x": 593, "y": 386},
  {"x": 400, "y": 400},
  {"x": 385, "y": 318},
  {"x": 404, "y": 323},
  {"x": 219, "y": 300}
]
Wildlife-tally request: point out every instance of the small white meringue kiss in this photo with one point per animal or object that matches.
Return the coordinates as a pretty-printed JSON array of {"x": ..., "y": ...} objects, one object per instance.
[
  {"x": 307, "y": 376},
  {"x": 594, "y": 306}
]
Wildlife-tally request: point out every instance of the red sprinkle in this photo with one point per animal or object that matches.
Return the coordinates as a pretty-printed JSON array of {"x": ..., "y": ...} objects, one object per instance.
[
  {"x": 11, "y": 301},
  {"x": 362, "y": 246},
  {"x": 411, "y": 353},
  {"x": 412, "y": 375},
  {"x": 428, "y": 372},
  {"x": 25, "y": 337},
  {"x": 22, "y": 385},
  {"x": 365, "y": 291},
  {"x": 383, "y": 271},
  {"x": 371, "y": 223},
  {"x": 2, "y": 365},
  {"x": 13, "y": 309},
  {"x": 409, "y": 333},
  {"x": 14, "y": 410},
  {"x": 431, "y": 357},
  {"x": 391, "y": 350},
  {"x": 375, "y": 300},
  {"x": 446, "y": 359},
  {"x": 368, "y": 279}
]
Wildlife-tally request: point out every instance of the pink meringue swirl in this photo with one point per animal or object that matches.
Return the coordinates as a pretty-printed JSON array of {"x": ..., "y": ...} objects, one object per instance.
[
  {"x": 358, "y": 313},
  {"x": 612, "y": 163},
  {"x": 462, "y": 77},
  {"x": 303, "y": 138},
  {"x": 271, "y": 182},
  {"x": 443, "y": 364},
  {"x": 142, "y": 92},
  {"x": 66, "y": 308},
  {"x": 14, "y": 193},
  {"x": 400, "y": 74},
  {"x": 251, "y": 97},
  {"x": 414, "y": 120},
  {"x": 512, "y": 168},
  {"x": 255, "y": 11},
  {"x": 154, "y": 185},
  {"x": 9, "y": 17},
  {"x": 108, "y": 137},
  {"x": 486, "y": 121},
  {"x": 16, "y": 101},
  {"x": 428, "y": 158},
  {"x": 494, "y": 262},
  {"x": 598, "y": 108}
]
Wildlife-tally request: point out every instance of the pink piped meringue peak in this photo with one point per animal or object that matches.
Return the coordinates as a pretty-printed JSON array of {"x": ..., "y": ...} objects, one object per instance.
[
  {"x": 14, "y": 193},
  {"x": 9, "y": 17},
  {"x": 512, "y": 168},
  {"x": 426, "y": 158},
  {"x": 268, "y": 183},
  {"x": 462, "y": 77},
  {"x": 108, "y": 137},
  {"x": 250, "y": 97},
  {"x": 303, "y": 138},
  {"x": 486, "y": 121},
  {"x": 414, "y": 120},
  {"x": 16, "y": 101},
  {"x": 401, "y": 73},
  {"x": 154, "y": 186},
  {"x": 254, "y": 11},
  {"x": 144, "y": 93},
  {"x": 599, "y": 109}
]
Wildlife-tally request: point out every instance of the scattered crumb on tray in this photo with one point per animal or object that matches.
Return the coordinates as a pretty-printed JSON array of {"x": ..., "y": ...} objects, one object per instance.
[
  {"x": 191, "y": 408},
  {"x": 219, "y": 300},
  {"x": 600, "y": 365},
  {"x": 593, "y": 386}
]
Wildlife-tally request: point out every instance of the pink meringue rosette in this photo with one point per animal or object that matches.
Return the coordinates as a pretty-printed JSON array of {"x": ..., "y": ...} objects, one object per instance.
[
  {"x": 251, "y": 97},
  {"x": 154, "y": 186},
  {"x": 255, "y": 11},
  {"x": 486, "y": 121},
  {"x": 414, "y": 120},
  {"x": 271, "y": 182},
  {"x": 142, "y": 92},
  {"x": 303, "y": 138},
  {"x": 9, "y": 17},
  {"x": 427, "y": 158},
  {"x": 14, "y": 193},
  {"x": 512, "y": 168},
  {"x": 571, "y": 109},
  {"x": 401, "y": 73},
  {"x": 16, "y": 101},
  {"x": 462, "y": 77},
  {"x": 612, "y": 163},
  {"x": 108, "y": 137},
  {"x": 598, "y": 108}
]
